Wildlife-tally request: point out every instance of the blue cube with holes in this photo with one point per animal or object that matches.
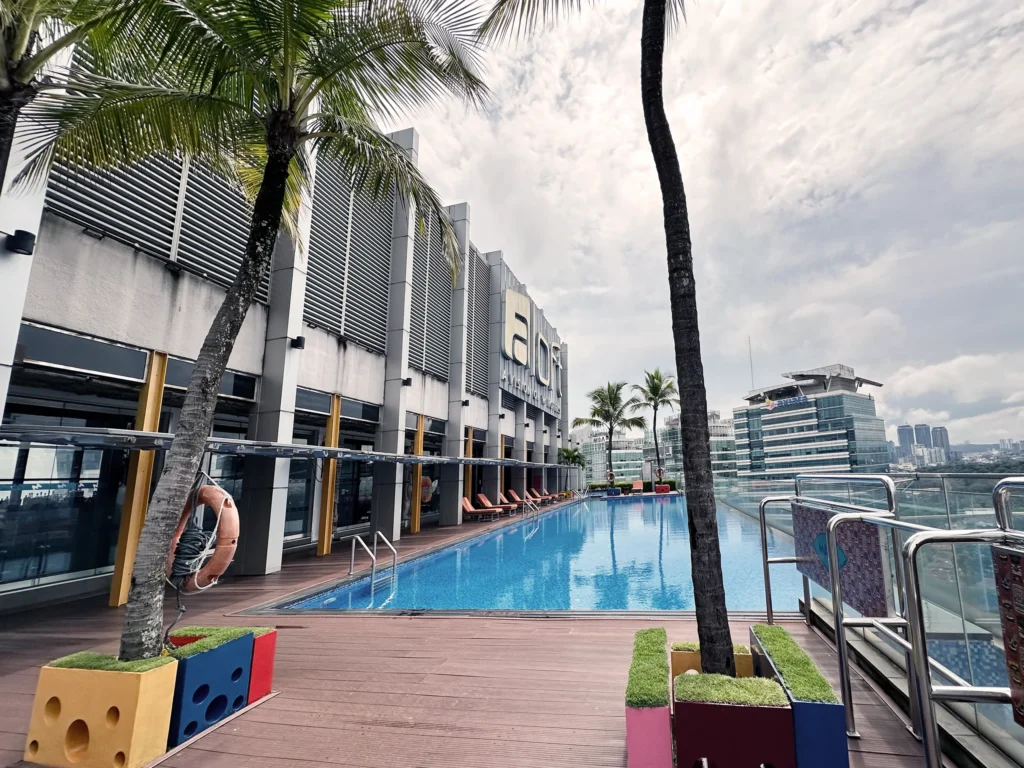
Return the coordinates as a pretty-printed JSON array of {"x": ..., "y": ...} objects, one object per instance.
[{"x": 214, "y": 665}]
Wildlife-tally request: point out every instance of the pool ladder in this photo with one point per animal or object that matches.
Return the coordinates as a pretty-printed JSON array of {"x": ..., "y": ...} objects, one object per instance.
[{"x": 373, "y": 557}]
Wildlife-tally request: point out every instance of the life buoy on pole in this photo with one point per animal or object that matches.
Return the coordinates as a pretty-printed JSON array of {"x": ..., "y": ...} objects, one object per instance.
[{"x": 223, "y": 506}]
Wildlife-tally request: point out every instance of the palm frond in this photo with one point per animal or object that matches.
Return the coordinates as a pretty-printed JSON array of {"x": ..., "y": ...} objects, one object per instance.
[
  {"x": 393, "y": 55},
  {"x": 379, "y": 167},
  {"x": 510, "y": 19},
  {"x": 104, "y": 123}
]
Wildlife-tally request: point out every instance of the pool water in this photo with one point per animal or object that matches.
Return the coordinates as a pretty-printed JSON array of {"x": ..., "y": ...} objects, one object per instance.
[{"x": 598, "y": 555}]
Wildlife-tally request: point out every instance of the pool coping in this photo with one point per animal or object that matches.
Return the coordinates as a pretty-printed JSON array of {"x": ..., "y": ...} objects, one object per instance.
[{"x": 274, "y": 607}]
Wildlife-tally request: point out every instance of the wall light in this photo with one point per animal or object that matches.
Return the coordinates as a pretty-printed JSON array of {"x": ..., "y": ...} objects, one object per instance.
[{"x": 407, "y": 382}]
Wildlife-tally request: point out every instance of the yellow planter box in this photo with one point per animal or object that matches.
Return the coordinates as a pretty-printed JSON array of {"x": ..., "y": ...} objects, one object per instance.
[
  {"x": 96, "y": 718},
  {"x": 684, "y": 661}
]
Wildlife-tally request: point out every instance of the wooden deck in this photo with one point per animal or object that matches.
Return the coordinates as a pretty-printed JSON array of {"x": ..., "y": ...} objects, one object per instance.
[{"x": 410, "y": 691}]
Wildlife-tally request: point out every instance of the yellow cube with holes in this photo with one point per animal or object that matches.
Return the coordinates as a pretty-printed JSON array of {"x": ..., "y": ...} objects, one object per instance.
[{"x": 93, "y": 711}]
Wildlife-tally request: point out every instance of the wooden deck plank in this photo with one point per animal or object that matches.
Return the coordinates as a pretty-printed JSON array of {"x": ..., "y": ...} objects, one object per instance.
[{"x": 427, "y": 691}]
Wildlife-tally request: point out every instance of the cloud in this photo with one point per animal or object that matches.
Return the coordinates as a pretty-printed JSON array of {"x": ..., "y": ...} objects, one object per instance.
[{"x": 854, "y": 181}]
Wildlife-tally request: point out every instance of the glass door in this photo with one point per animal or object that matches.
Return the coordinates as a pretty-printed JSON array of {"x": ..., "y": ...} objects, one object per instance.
[{"x": 301, "y": 483}]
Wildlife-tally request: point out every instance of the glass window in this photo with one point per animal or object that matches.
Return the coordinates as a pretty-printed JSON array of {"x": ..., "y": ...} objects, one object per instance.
[
  {"x": 311, "y": 400},
  {"x": 41, "y": 345},
  {"x": 301, "y": 473},
  {"x": 232, "y": 384}
]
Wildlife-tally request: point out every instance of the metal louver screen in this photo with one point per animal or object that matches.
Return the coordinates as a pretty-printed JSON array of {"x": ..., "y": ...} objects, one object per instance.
[
  {"x": 328, "y": 248},
  {"x": 508, "y": 401},
  {"x": 214, "y": 229},
  {"x": 532, "y": 413},
  {"x": 479, "y": 317},
  {"x": 439, "y": 308},
  {"x": 418, "y": 309},
  {"x": 135, "y": 205},
  {"x": 365, "y": 318}
]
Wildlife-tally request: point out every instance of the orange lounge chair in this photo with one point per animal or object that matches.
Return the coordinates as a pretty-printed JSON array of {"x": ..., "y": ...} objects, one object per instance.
[
  {"x": 479, "y": 514},
  {"x": 540, "y": 498},
  {"x": 555, "y": 496},
  {"x": 515, "y": 498},
  {"x": 638, "y": 486},
  {"x": 485, "y": 503},
  {"x": 519, "y": 505}
]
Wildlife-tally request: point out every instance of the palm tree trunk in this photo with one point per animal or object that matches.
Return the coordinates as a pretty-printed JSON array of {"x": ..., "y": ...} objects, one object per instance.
[
  {"x": 142, "y": 636},
  {"x": 12, "y": 101},
  {"x": 611, "y": 434},
  {"x": 657, "y": 450},
  {"x": 708, "y": 589}
]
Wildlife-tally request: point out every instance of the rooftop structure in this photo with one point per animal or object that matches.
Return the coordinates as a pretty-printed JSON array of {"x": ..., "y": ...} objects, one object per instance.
[{"x": 820, "y": 422}]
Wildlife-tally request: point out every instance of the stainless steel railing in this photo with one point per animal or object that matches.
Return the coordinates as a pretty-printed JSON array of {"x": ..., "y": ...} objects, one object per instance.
[{"x": 920, "y": 665}]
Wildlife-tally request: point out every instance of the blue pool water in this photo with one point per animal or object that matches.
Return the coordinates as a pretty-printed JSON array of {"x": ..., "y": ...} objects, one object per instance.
[{"x": 599, "y": 556}]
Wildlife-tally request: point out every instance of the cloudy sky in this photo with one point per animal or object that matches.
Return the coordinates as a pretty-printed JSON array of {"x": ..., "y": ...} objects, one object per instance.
[{"x": 855, "y": 174}]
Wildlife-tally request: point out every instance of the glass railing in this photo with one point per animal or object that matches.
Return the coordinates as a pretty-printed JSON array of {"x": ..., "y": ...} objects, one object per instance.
[{"x": 958, "y": 586}]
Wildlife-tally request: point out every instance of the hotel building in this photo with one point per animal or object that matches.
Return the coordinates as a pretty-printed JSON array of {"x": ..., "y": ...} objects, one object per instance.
[
  {"x": 819, "y": 421},
  {"x": 358, "y": 339}
]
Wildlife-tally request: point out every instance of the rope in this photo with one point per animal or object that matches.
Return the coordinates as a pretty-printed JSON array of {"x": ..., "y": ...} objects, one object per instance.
[{"x": 193, "y": 550}]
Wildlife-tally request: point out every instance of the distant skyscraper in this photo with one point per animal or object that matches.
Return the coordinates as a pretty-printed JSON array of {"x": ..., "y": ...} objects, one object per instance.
[
  {"x": 940, "y": 438},
  {"x": 923, "y": 435},
  {"x": 906, "y": 438}
]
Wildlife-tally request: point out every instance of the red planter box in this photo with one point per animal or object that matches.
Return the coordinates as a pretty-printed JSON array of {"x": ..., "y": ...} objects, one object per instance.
[
  {"x": 732, "y": 736},
  {"x": 262, "y": 678}
]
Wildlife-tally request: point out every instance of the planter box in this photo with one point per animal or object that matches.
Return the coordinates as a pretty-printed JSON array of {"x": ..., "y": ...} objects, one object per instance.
[
  {"x": 92, "y": 718},
  {"x": 734, "y": 736},
  {"x": 261, "y": 679},
  {"x": 648, "y": 738},
  {"x": 819, "y": 728},
  {"x": 210, "y": 686},
  {"x": 684, "y": 661}
]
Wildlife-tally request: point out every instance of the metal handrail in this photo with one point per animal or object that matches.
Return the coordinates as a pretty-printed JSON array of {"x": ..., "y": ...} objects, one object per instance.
[
  {"x": 1001, "y": 501},
  {"x": 884, "y": 480},
  {"x": 394, "y": 552},
  {"x": 352, "y": 560},
  {"x": 924, "y": 692}
]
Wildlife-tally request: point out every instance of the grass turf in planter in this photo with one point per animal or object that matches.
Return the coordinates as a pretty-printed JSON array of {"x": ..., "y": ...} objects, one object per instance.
[
  {"x": 648, "y": 718},
  {"x": 797, "y": 669},
  {"x": 210, "y": 638},
  {"x": 648, "y": 674},
  {"x": 104, "y": 662},
  {"x": 721, "y": 689}
]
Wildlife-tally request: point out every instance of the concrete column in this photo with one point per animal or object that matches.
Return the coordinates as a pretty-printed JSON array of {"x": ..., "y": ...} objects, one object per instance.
[
  {"x": 518, "y": 482},
  {"x": 265, "y": 483},
  {"x": 493, "y": 446},
  {"x": 18, "y": 211},
  {"x": 386, "y": 515},
  {"x": 451, "y": 475},
  {"x": 538, "y": 447}
]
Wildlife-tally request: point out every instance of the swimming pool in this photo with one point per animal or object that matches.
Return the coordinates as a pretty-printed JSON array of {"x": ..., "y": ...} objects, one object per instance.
[{"x": 627, "y": 555}]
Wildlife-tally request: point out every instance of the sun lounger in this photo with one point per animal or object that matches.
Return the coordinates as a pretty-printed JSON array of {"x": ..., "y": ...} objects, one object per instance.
[
  {"x": 468, "y": 511},
  {"x": 519, "y": 505},
  {"x": 485, "y": 503}
]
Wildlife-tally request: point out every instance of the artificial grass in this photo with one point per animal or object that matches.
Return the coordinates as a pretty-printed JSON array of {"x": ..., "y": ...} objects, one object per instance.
[
  {"x": 647, "y": 686},
  {"x": 209, "y": 638},
  {"x": 693, "y": 646},
  {"x": 799, "y": 673},
  {"x": 104, "y": 662},
  {"x": 721, "y": 689}
]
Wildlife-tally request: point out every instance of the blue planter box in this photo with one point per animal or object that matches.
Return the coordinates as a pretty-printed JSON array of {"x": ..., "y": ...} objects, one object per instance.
[
  {"x": 819, "y": 729},
  {"x": 209, "y": 687}
]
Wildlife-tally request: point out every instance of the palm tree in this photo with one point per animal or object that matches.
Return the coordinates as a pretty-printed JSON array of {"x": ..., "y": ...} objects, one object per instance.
[
  {"x": 33, "y": 35},
  {"x": 521, "y": 17},
  {"x": 571, "y": 457},
  {"x": 657, "y": 391},
  {"x": 609, "y": 410},
  {"x": 258, "y": 85}
]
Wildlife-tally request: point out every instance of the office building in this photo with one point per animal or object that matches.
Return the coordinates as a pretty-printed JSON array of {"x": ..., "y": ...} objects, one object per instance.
[
  {"x": 923, "y": 435},
  {"x": 929, "y": 457},
  {"x": 670, "y": 443},
  {"x": 905, "y": 434},
  {"x": 627, "y": 454},
  {"x": 361, "y": 328},
  {"x": 893, "y": 452},
  {"x": 819, "y": 421},
  {"x": 940, "y": 438}
]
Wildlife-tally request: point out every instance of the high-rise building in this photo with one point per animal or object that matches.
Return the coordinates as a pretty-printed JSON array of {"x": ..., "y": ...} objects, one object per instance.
[
  {"x": 906, "y": 438},
  {"x": 923, "y": 435},
  {"x": 894, "y": 456},
  {"x": 670, "y": 444},
  {"x": 940, "y": 438},
  {"x": 627, "y": 454},
  {"x": 818, "y": 422}
]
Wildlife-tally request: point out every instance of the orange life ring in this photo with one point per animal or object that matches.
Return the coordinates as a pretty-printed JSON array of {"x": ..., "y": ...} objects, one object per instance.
[{"x": 223, "y": 506}]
